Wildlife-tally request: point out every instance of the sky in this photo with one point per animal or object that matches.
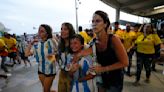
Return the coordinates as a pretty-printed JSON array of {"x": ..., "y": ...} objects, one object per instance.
[{"x": 26, "y": 15}]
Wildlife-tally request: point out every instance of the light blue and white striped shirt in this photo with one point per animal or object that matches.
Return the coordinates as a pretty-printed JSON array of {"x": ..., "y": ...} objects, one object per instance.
[
  {"x": 86, "y": 85},
  {"x": 41, "y": 51}
]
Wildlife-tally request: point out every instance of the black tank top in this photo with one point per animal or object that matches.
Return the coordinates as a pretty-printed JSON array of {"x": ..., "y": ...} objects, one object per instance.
[{"x": 108, "y": 57}]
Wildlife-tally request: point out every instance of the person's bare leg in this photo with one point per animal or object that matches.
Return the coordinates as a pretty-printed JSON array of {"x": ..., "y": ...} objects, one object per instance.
[
  {"x": 48, "y": 83},
  {"x": 42, "y": 78}
]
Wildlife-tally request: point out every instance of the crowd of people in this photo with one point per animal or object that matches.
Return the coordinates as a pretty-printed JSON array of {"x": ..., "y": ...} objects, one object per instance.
[{"x": 93, "y": 60}]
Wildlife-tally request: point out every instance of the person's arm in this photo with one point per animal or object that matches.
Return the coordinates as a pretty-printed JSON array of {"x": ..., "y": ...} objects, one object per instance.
[
  {"x": 14, "y": 42},
  {"x": 121, "y": 55},
  {"x": 82, "y": 54},
  {"x": 85, "y": 52},
  {"x": 87, "y": 77},
  {"x": 131, "y": 47},
  {"x": 28, "y": 50}
]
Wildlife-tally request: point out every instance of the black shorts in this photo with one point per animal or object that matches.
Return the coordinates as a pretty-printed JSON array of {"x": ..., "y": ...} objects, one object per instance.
[
  {"x": 47, "y": 75},
  {"x": 22, "y": 55}
]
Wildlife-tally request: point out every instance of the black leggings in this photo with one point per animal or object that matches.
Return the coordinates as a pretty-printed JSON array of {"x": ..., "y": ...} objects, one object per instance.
[{"x": 146, "y": 61}]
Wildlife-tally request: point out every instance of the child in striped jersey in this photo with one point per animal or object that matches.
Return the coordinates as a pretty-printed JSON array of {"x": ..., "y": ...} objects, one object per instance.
[{"x": 79, "y": 70}]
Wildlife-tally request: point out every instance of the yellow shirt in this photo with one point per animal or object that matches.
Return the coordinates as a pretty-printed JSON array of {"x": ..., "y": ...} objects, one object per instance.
[
  {"x": 11, "y": 42},
  {"x": 89, "y": 38},
  {"x": 3, "y": 50},
  {"x": 128, "y": 39},
  {"x": 138, "y": 33},
  {"x": 85, "y": 36},
  {"x": 120, "y": 33},
  {"x": 146, "y": 45},
  {"x": 2, "y": 43}
]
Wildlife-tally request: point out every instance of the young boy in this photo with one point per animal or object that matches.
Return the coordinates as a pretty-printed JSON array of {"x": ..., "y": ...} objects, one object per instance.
[{"x": 80, "y": 70}]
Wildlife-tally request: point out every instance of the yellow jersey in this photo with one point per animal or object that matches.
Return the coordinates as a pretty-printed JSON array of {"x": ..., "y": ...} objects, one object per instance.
[
  {"x": 120, "y": 33},
  {"x": 3, "y": 50},
  {"x": 138, "y": 33},
  {"x": 146, "y": 44},
  {"x": 128, "y": 39},
  {"x": 85, "y": 36},
  {"x": 11, "y": 42},
  {"x": 2, "y": 43}
]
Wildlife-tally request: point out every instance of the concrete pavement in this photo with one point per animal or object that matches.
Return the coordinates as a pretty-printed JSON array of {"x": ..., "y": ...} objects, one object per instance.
[{"x": 25, "y": 79}]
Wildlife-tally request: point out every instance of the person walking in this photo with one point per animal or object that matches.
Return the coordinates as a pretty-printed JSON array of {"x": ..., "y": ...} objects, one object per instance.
[{"x": 45, "y": 56}]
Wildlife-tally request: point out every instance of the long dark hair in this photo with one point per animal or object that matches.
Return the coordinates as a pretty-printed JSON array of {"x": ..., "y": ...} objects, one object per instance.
[
  {"x": 62, "y": 47},
  {"x": 48, "y": 30}
]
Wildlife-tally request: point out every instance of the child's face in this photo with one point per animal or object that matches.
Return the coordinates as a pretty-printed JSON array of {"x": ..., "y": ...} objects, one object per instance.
[{"x": 76, "y": 46}]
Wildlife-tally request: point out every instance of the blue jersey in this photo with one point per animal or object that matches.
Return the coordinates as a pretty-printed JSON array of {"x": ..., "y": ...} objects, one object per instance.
[
  {"x": 87, "y": 85},
  {"x": 41, "y": 51}
]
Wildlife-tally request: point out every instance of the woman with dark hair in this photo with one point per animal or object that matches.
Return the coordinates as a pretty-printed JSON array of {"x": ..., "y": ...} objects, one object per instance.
[
  {"x": 110, "y": 54},
  {"x": 45, "y": 54},
  {"x": 147, "y": 44},
  {"x": 67, "y": 31}
]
